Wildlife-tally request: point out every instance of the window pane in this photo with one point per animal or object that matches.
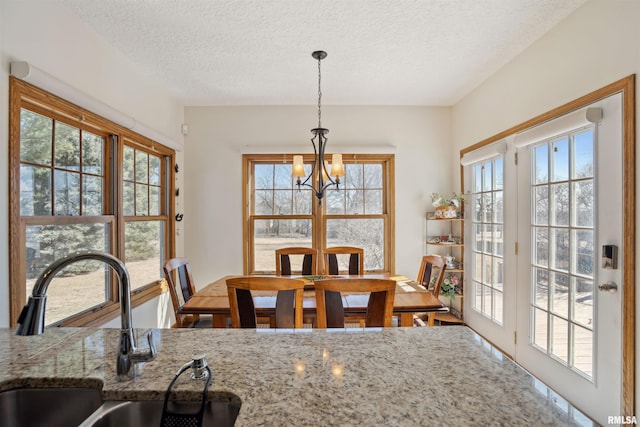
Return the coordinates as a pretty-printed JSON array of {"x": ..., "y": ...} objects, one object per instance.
[
  {"x": 582, "y": 200},
  {"x": 142, "y": 199},
  {"x": 92, "y": 191},
  {"x": 373, "y": 202},
  {"x": 142, "y": 167},
  {"x": 355, "y": 202},
  {"x": 81, "y": 285},
  {"x": 67, "y": 147},
  {"x": 263, "y": 202},
  {"x": 583, "y": 349},
  {"x": 541, "y": 205},
  {"x": 353, "y": 176},
  {"x": 560, "y": 294},
  {"x": 92, "y": 153},
  {"x": 364, "y": 233},
  {"x": 154, "y": 200},
  {"x": 302, "y": 200},
  {"x": 541, "y": 286},
  {"x": 67, "y": 193},
  {"x": 283, "y": 178},
  {"x": 477, "y": 178},
  {"x": 560, "y": 338},
  {"x": 582, "y": 300},
  {"x": 127, "y": 164},
  {"x": 335, "y": 201},
  {"x": 540, "y": 332},
  {"x": 154, "y": 170},
  {"x": 560, "y": 206},
  {"x": 541, "y": 252},
  {"x": 373, "y": 175},
  {"x": 143, "y": 249},
  {"x": 583, "y": 244},
  {"x": 560, "y": 160},
  {"x": 487, "y": 179},
  {"x": 541, "y": 164},
  {"x": 36, "y": 133},
  {"x": 128, "y": 198},
  {"x": 560, "y": 249},
  {"x": 35, "y": 190},
  {"x": 583, "y": 157},
  {"x": 499, "y": 173},
  {"x": 283, "y": 202},
  {"x": 263, "y": 176},
  {"x": 270, "y": 235}
]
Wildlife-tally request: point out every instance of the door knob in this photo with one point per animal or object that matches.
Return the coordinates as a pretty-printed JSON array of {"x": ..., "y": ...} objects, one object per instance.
[{"x": 608, "y": 287}]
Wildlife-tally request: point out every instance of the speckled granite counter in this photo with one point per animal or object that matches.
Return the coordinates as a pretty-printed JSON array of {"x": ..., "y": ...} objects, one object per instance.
[{"x": 395, "y": 377}]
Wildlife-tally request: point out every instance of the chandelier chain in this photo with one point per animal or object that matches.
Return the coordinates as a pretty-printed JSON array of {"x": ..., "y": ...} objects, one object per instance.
[{"x": 319, "y": 95}]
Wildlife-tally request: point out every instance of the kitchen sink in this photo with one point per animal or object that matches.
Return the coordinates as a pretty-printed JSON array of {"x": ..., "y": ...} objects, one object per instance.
[
  {"x": 149, "y": 413},
  {"x": 27, "y": 407}
]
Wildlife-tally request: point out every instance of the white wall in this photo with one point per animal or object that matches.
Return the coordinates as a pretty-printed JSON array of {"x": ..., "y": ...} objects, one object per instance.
[
  {"x": 213, "y": 170},
  {"x": 595, "y": 46},
  {"x": 57, "y": 43}
]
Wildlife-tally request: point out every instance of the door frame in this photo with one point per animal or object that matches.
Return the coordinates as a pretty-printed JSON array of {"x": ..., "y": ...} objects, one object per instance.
[{"x": 625, "y": 86}]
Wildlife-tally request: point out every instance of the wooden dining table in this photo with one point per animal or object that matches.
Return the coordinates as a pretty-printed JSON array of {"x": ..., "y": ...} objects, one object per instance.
[{"x": 410, "y": 298}]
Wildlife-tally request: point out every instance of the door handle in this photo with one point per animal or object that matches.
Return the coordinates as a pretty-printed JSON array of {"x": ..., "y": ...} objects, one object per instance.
[{"x": 608, "y": 287}]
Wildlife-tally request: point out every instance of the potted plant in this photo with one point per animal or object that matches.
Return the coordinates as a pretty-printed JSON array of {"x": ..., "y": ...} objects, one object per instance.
[
  {"x": 447, "y": 206},
  {"x": 448, "y": 286}
]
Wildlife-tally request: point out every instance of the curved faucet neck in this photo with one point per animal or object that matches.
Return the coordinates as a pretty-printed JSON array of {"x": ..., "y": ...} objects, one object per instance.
[{"x": 38, "y": 298}]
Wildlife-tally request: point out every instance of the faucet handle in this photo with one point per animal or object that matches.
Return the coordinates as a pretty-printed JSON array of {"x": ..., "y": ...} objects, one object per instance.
[{"x": 147, "y": 354}]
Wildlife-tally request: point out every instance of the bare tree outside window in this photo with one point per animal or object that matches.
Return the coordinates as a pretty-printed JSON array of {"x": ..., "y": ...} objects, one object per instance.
[{"x": 283, "y": 215}]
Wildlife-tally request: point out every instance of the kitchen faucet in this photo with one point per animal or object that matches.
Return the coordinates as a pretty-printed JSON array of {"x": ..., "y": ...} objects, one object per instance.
[{"x": 31, "y": 320}]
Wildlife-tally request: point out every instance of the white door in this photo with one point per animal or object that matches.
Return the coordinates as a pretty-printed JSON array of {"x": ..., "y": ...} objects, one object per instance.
[{"x": 569, "y": 333}]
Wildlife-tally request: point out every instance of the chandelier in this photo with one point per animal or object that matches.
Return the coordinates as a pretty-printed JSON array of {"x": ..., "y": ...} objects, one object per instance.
[{"x": 320, "y": 166}]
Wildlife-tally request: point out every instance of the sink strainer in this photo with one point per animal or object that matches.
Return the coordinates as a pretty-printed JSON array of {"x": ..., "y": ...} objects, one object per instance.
[{"x": 172, "y": 418}]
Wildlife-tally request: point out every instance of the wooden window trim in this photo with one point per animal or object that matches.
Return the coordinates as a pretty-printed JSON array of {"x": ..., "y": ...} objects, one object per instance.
[
  {"x": 317, "y": 213},
  {"x": 22, "y": 94}
]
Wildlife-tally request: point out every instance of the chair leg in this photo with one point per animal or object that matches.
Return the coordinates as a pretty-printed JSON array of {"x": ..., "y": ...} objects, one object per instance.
[{"x": 432, "y": 319}]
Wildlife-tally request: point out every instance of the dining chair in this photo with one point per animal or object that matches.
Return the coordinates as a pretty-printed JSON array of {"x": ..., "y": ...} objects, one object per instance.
[
  {"x": 330, "y": 309},
  {"x": 356, "y": 259},
  {"x": 288, "y": 300},
  {"x": 177, "y": 273},
  {"x": 309, "y": 261},
  {"x": 430, "y": 276}
]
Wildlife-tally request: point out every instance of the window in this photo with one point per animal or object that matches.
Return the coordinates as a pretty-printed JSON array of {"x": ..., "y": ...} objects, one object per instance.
[
  {"x": 562, "y": 232},
  {"x": 280, "y": 215},
  {"x": 487, "y": 262},
  {"x": 65, "y": 165}
]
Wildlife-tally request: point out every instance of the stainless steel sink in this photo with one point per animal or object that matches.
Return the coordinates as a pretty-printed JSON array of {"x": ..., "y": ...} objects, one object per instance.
[
  {"x": 48, "y": 406},
  {"x": 149, "y": 413}
]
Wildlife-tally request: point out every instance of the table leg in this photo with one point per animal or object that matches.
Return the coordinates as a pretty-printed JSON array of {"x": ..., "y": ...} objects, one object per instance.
[
  {"x": 219, "y": 321},
  {"x": 406, "y": 319}
]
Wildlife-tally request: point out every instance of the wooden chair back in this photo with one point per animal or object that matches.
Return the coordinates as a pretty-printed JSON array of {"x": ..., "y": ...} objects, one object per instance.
[
  {"x": 288, "y": 300},
  {"x": 430, "y": 265},
  {"x": 177, "y": 273},
  {"x": 309, "y": 261},
  {"x": 330, "y": 311},
  {"x": 356, "y": 259}
]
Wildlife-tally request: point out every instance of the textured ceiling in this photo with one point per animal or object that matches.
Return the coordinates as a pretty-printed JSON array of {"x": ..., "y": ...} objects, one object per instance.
[{"x": 380, "y": 52}]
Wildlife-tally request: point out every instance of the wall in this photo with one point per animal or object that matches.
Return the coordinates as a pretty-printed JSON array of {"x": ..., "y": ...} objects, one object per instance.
[
  {"x": 213, "y": 170},
  {"x": 57, "y": 43},
  {"x": 595, "y": 46}
]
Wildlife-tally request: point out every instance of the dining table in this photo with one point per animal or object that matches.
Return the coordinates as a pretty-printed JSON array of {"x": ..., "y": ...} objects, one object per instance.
[{"x": 410, "y": 298}]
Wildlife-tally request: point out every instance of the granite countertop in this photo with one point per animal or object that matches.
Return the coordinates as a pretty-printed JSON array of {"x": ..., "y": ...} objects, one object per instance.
[{"x": 392, "y": 377}]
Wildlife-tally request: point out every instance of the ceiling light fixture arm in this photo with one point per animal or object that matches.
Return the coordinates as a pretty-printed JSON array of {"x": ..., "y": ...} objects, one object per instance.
[{"x": 324, "y": 178}]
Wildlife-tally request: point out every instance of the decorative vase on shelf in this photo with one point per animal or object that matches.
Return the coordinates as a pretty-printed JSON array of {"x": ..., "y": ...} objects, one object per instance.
[
  {"x": 446, "y": 212},
  {"x": 447, "y": 207}
]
